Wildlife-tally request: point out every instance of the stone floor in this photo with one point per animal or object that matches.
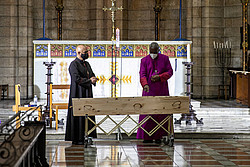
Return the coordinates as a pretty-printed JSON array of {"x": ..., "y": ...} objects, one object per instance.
[
  {"x": 220, "y": 118},
  {"x": 134, "y": 153},
  {"x": 225, "y": 120}
]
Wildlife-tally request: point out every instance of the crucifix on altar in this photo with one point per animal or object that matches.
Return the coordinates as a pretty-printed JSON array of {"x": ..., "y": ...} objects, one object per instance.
[{"x": 113, "y": 9}]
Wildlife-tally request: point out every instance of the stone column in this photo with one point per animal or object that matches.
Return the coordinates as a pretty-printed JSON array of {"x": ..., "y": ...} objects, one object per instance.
[
  {"x": 122, "y": 20},
  {"x": 16, "y": 47},
  {"x": 208, "y": 26},
  {"x": 170, "y": 20},
  {"x": 7, "y": 46},
  {"x": 194, "y": 29},
  {"x": 233, "y": 22},
  {"x": 141, "y": 20}
]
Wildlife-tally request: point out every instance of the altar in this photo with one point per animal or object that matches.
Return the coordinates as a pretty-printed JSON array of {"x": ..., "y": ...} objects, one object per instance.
[{"x": 124, "y": 72}]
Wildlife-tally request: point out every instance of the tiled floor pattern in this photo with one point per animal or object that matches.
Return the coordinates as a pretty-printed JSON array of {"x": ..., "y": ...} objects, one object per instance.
[{"x": 134, "y": 153}]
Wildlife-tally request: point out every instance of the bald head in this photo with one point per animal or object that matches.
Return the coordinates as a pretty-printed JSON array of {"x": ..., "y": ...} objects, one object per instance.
[{"x": 80, "y": 49}]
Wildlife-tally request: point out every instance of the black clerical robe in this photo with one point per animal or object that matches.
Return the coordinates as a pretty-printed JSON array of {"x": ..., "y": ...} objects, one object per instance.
[{"x": 80, "y": 87}]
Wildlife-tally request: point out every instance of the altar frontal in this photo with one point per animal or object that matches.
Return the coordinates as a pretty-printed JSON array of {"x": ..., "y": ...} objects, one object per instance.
[{"x": 124, "y": 72}]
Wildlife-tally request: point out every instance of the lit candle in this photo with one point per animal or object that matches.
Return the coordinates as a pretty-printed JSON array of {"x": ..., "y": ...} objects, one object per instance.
[
  {"x": 214, "y": 45},
  {"x": 49, "y": 50},
  {"x": 188, "y": 53},
  {"x": 117, "y": 38}
]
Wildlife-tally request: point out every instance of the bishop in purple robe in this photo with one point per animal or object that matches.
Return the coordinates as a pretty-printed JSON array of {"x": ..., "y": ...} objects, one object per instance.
[{"x": 155, "y": 70}]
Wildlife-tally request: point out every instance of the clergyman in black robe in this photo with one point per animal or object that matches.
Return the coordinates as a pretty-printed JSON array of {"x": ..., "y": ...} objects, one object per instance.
[{"x": 82, "y": 79}]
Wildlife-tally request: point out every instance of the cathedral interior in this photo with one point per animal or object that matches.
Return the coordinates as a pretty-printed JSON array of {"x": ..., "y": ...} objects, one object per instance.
[{"x": 207, "y": 45}]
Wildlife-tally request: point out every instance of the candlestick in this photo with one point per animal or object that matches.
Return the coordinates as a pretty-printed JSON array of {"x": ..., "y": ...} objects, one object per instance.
[
  {"x": 49, "y": 50},
  {"x": 117, "y": 38},
  {"x": 188, "y": 53}
]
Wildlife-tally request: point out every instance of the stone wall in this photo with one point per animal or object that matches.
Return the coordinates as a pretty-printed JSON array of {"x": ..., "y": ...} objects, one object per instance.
[
  {"x": 203, "y": 21},
  {"x": 16, "y": 35},
  {"x": 208, "y": 21}
]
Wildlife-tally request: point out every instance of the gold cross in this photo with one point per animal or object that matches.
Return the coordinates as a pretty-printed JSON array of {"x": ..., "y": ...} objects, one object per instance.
[{"x": 113, "y": 9}]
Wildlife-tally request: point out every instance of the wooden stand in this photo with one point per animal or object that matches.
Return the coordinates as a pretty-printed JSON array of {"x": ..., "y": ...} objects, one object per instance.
[
  {"x": 223, "y": 88},
  {"x": 131, "y": 105},
  {"x": 243, "y": 88}
]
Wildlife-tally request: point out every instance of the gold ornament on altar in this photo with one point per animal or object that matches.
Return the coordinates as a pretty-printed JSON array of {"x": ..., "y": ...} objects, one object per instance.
[
  {"x": 64, "y": 79},
  {"x": 113, "y": 9},
  {"x": 59, "y": 4}
]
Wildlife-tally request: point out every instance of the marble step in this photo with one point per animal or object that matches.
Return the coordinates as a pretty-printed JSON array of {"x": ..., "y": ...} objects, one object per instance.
[{"x": 177, "y": 135}]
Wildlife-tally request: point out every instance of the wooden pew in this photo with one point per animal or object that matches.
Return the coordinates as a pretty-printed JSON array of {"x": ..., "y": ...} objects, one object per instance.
[{"x": 146, "y": 105}]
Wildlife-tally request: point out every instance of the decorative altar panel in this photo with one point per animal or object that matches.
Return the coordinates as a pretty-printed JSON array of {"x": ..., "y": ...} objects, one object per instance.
[{"x": 125, "y": 70}]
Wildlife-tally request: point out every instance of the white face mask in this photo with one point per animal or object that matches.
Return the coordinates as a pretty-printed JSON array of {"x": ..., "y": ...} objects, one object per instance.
[{"x": 153, "y": 56}]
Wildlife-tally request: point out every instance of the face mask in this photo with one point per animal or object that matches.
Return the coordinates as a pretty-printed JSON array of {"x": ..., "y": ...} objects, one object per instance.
[
  {"x": 153, "y": 56},
  {"x": 85, "y": 56}
]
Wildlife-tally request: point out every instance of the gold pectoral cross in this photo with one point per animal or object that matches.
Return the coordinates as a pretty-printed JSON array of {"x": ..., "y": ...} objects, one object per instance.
[{"x": 113, "y": 9}]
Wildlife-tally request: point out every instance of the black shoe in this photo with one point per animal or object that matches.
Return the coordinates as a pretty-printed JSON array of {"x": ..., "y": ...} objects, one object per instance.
[
  {"x": 147, "y": 141},
  {"x": 158, "y": 141},
  {"x": 78, "y": 143}
]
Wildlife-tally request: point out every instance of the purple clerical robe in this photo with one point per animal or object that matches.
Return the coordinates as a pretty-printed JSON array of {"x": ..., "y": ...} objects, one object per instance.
[{"x": 159, "y": 66}]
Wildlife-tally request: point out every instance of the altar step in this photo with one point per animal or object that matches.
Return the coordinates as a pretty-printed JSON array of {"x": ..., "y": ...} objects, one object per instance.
[
  {"x": 177, "y": 135},
  {"x": 195, "y": 103},
  {"x": 218, "y": 123},
  {"x": 5, "y": 114},
  {"x": 222, "y": 119}
]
